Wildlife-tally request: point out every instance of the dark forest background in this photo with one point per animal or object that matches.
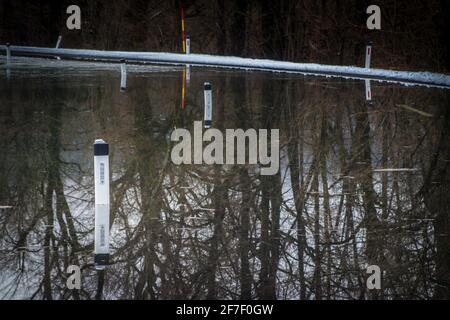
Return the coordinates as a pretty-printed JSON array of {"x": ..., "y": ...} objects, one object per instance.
[{"x": 413, "y": 34}]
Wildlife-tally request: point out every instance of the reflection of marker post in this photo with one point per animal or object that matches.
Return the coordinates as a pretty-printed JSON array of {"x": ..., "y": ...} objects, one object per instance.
[
  {"x": 123, "y": 75},
  {"x": 8, "y": 53},
  {"x": 368, "y": 55},
  {"x": 188, "y": 51},
  {"x": 367, "y": 65},
  {"x": 188, "y": 73},
  {"x": 208, "y": 105},
  {"x": 188, "y": 44},
  {"x": 58, "y": 43},
  {"x": 101, "y": 178},
  {"x": 183, "y": 89},
  {"x": 368, "y": 91}
]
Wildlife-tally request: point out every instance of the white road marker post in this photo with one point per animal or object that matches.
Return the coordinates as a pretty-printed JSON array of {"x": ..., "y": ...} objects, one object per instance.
[
  {"x": 208, "y": 105},
  {"x": 123, "y": 78},
  {"x": 102, "y": 204},
  {"x": 188, "y": 44},
  {"x": 58, "y": 43},
  {"x": 188, "y": 51},
  {"x": 8, "y": 53}
]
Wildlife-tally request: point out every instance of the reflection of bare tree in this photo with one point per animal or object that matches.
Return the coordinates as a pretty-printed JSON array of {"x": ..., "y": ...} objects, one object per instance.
[
  {"x": 216, "y": 232},
  {"x": 435, "y": 193}
]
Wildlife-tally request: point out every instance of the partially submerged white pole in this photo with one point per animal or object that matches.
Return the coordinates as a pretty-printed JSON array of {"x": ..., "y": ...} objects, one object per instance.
[
  {"x": 123, "y": 78},
  {"x": 368, "y": 55},
  {"x": 188, "y": 73},
  {"x": 102, "y": 204},
  {"x": 208, "y": 105},
  {"x": 367, "y": 65},
  {"x": 8, "y": 53},
  {"x": 58, "y": 43},
  {"x": 8, "y": 61}
]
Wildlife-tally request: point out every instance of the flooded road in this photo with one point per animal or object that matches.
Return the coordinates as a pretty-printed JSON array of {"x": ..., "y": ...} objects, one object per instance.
[{"x": 360, "y": 184}]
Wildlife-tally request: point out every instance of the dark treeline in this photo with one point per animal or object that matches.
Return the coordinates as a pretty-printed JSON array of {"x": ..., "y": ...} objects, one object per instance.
[{"x": 413, "y": 34}]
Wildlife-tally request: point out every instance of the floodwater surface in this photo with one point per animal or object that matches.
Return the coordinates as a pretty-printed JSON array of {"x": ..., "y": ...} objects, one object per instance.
[{"x": 360, "y": 184}]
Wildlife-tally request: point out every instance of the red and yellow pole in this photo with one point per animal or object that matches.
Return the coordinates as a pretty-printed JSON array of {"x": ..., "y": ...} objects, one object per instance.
[{"x": 183, "y": 38}]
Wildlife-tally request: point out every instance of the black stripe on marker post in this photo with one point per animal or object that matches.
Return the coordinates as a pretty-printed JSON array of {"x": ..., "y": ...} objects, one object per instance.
[
  {"x": 101, "y": 259},
  {"x": 101, "y": 149}
]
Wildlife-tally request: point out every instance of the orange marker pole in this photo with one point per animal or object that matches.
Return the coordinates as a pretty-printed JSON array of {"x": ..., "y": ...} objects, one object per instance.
[{"x": 183, "y": 35}]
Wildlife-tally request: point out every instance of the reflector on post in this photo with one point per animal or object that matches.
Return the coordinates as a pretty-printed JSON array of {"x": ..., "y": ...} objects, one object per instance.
[
  {"x": 368, "y": 55},
  {"x": 102, "y": 204},
  {"x": 183, "y": 89},
  {"x": 208, "y": 105}
]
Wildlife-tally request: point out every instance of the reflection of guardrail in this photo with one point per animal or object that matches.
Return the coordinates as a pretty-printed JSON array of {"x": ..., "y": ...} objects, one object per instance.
[{"x": 406, "y": 77}]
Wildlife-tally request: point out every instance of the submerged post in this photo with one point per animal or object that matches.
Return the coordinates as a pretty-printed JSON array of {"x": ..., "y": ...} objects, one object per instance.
[
  {"x": 8, "y": 53},
  {"x": 58, "y": 42},
  {"x": 208, "y": 105},
  {"x": 368, "y": 55},
  {"x": 123, "y": 78},
  {"x": 101, "y": 179},
  {"x": 183, "y": 34}
]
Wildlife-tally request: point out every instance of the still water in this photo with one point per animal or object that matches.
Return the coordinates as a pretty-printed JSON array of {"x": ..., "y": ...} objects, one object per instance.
[{"x": 359, "y": 184}]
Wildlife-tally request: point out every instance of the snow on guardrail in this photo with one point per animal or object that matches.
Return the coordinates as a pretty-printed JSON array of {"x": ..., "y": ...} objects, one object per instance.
[{"x": 404, "y": 77}]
